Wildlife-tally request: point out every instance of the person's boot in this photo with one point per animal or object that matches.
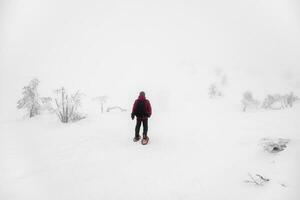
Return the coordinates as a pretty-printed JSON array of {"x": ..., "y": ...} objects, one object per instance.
[
  {"x": 145, "y": 140},
  {"x": 136, "y": 138}
]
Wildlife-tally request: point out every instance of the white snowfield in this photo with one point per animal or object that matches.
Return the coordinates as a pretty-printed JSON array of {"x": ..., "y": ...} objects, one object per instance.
[
  {"x": 192, "y": 154},
  {"x": 200, "y": 148}
]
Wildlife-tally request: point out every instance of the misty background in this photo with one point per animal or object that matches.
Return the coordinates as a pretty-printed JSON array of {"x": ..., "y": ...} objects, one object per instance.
[{"x": 166, "y": 48}]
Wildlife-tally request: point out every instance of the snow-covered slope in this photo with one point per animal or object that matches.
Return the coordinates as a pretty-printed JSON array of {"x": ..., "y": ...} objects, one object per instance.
[
  {"x": 200, "y": 148},
  {"x": 192, "y": 154}
]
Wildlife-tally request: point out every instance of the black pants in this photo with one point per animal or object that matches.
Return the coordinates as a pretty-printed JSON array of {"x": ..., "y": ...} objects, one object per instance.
[{"x": 139, "y": 121}]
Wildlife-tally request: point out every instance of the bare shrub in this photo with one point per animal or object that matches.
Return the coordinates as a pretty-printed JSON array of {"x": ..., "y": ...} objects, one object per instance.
[
  {"x": 277, "y": 101},
  {"x": 102, "y": 100},
  {"x": 67, "y": 106}
]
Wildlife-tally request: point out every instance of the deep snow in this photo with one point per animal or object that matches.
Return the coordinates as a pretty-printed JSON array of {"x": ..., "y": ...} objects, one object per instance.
[
  {"x": 206, "y": 155},
  {"x": 199, "y": 148}
]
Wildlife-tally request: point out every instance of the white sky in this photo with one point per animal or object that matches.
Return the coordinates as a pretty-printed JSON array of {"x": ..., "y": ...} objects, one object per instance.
[{"x": 105, "y": 46}]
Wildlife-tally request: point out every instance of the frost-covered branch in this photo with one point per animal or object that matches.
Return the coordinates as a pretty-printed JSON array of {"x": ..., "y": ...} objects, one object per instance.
[{"x": 257, "y": 179}]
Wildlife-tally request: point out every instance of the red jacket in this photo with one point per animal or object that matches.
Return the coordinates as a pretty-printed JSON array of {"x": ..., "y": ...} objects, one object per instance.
[{"x": 146, "y": 110}]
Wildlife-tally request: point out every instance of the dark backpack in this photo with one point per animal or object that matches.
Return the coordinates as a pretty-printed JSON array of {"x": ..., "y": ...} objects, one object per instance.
[{"x": 141, "y": 110}]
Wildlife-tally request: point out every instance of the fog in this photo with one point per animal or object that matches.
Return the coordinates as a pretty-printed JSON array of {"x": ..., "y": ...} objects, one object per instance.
[{"x": 118, "y": 48}]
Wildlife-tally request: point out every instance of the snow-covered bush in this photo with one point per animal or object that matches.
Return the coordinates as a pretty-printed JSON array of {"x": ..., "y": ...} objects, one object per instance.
[
  {"x": 213, "y": 91},
  {"x": 67, "y": 106},
  {"x": 249, "y": 101},
  {"x": 102, "y": 100},
  {"x": 31, "y": 101},
  {"x": 278, "y": 101},
  {"x": 274, "y": 145}
]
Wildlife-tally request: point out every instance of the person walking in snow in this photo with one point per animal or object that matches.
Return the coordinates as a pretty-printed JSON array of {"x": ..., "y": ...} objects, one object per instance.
[{"x": 142, "y": 111}]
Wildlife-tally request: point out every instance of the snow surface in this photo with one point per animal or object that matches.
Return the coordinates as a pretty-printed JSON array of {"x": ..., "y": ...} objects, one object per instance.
[
  {"x": 190, "y": 156},
  {"x": 200, "y": 148}
]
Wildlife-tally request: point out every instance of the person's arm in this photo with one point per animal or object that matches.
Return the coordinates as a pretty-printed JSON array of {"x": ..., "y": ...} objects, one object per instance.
[
  {"x": 133, "y": 110},
  {"x": 134, "y": 107}
]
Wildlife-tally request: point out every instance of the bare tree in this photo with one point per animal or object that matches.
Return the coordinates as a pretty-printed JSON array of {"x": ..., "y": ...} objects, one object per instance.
[
  {"x": 102, "y": 100},
  {"x": 67, "y": 106}
]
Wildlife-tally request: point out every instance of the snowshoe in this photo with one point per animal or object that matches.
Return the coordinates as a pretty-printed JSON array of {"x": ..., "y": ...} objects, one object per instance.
[
  {"x": 136, "y": 139},
  {"x": 145, "y": 140}
]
